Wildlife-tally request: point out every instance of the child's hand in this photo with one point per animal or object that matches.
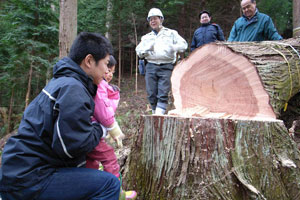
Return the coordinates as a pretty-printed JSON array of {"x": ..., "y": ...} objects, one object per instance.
[{"x": 116, "y": 133}]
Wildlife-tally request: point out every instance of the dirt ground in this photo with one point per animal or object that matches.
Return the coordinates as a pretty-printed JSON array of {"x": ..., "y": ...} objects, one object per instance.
[{"x": 133, "y": 104}]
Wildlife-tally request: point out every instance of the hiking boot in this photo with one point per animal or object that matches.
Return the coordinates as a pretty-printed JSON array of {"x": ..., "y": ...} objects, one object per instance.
[{"x": 128, "y": 195}]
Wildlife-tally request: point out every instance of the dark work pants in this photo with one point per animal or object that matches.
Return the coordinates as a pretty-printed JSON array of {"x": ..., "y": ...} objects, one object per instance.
[
  {"x": 158, "y": 84},
  {"x": 74, "y": 184}
]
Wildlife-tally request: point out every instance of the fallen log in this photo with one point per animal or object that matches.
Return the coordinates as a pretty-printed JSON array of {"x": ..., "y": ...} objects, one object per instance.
[
  {"x": 225, "y": 139},
  {"x": 239, "y": 80}
]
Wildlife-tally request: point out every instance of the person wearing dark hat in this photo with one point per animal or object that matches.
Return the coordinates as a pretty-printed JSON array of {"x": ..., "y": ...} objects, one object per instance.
[{"x": 207, "y": 32}]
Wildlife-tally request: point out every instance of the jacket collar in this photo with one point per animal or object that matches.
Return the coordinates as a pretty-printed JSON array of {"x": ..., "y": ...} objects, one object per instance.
[{"x": 66, "y": 67}]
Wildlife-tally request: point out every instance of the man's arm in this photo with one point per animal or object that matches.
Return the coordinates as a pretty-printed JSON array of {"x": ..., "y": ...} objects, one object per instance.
[
  {"x": 270, "y": 30},
  {"x": 194, "y": 43},
  {"x": 233, "y": 33},
  {"x": 220, "y": 33},
  {"x": 179, "y": 44},
  {"x": 144, "y": 48},
  {"x": 74, "y": 133}
]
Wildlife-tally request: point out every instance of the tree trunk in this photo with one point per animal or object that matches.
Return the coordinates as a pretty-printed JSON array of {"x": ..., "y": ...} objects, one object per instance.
[
  {"x": 296, "y": 18},
  {"x": 67, "y": 26},
  {"x": 131, "y": 63},
  {"x": 120, "y": 56},
  {"x": 238, "y": 80},
  {"x": 29, "y": 84},
  {"x": 226, "y": 141},
  {"x": 11, "y": 104},
  {"x": 206, "y": 158},
  {"x": 109, "y": 17},
  {"x": 136, "y": 57}
]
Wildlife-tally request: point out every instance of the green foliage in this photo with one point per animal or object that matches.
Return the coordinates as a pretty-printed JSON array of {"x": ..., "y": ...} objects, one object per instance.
[
  {"x": 29, "y": 37},
  {"x": 95, "y": 20},
  {"x": 280, "y": 11}
]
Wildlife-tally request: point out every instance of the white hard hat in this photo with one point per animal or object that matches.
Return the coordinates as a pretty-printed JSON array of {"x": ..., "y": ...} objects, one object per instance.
[{"x": 154, "y": 12}]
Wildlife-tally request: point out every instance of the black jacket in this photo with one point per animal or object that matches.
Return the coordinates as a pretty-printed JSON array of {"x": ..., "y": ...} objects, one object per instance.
[
  {"x": 55, "y": 132},
  {"x": 206, "y": 33}
]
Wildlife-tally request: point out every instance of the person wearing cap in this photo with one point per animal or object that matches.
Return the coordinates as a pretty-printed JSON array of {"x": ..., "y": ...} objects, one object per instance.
[
  {"x": 253, "y": 25},
  {"x": 208, "y": 32},
  {"x": 159, "y": 48}
]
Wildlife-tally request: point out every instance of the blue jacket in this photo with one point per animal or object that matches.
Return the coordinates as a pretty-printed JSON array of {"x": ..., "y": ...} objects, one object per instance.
[
  {"x": 259, "y": 28},
  {"x": 55, "y": 132},
  {"x": 206, "y": 33}
]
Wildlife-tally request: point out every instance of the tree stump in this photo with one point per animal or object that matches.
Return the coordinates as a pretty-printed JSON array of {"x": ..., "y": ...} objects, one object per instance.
[
  {"x": 225, "y": 139},
  {"x": 202, "y": 158}
]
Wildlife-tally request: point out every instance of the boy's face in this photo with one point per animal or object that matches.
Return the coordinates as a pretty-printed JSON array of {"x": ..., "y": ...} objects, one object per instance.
[
  {"x": 99, "y": 69},
  {"x": 109, "y": 74},
  {"x": 95, "y": 70}
]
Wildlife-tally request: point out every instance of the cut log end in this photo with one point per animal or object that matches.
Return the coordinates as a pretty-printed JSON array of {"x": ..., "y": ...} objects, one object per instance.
[{"x": 214, "y": 81}]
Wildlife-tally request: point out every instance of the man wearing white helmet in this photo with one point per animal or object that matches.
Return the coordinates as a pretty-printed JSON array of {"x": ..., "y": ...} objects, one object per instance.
[{"x": 159, "y": 48}]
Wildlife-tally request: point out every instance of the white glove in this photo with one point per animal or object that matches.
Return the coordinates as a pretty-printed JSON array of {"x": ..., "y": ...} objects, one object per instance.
[{"x": 116, "y": 134}]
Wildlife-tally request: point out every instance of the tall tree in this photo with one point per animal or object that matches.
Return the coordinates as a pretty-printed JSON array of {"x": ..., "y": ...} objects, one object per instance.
[
  {"x": 26, "y": 27},
  {"x": 109, "y": 17},
  {"x": 67, "y": 25},
  {"x": 296, "y": 18}
]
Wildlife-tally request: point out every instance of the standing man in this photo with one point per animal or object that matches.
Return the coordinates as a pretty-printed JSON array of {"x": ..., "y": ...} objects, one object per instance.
[
  {"x": 159, "y": 48},
  {"x": 253, "y": 25},
  {"x": 46, "y": 158},
  {"x": 207, "y": 32}
]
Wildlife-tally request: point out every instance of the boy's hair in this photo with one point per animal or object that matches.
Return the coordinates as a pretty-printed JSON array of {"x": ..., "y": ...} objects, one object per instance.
[
  {"x": 90, "y": 43},
  {"x": 112, "y": 61}
]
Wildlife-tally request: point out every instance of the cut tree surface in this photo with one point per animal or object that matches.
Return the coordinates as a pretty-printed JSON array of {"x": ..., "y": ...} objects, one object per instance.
[{"x": 237, "y": 80}]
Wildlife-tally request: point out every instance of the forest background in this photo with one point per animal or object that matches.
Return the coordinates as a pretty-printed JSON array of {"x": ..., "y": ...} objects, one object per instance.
[{"x": 29, "y": 37}]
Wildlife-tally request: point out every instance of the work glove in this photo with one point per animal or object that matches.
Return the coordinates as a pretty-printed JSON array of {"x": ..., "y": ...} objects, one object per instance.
[{"x": 116, "y": 134}]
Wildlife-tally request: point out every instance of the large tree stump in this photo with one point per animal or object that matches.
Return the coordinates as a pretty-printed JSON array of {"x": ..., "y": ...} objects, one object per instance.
[
  {"x": 224, "y": 140},
  {"x": 198, "y": 158}
]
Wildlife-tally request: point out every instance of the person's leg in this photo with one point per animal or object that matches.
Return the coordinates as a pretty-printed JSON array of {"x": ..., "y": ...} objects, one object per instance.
[
  {"x": 151, "y": 84},
  {"x": 81, "y": 183},
  {"x": 91, "y": 163},
  {"x": 164, "y": 86},
  {"x": 107, "y": 157}
]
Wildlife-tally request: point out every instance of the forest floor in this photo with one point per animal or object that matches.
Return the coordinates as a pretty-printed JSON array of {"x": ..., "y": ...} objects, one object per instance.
[{"x": 133, "y": 104}]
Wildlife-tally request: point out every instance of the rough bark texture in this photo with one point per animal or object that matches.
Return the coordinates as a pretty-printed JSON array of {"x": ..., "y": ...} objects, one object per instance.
[
  {"x": 235, "y": 148},
  {"x": 296, "y": 18},
  {"x": 201, "y": 158},
  {"x": 250, "y": 79},
  {"x": 67, "y": 26}
]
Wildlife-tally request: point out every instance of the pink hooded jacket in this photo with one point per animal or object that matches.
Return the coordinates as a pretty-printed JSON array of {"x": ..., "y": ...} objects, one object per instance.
[{"x": 106, "y": 103}]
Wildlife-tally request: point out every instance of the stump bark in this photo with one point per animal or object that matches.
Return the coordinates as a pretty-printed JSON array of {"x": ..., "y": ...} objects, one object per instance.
[
  {"x": 224, "y": 140},
  {"x": 200, "y": 158}
]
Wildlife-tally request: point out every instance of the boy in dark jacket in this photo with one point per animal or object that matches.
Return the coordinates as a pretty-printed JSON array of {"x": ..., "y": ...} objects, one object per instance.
[
  {"x": 46, "y": 159},
  {"x": 208, "y": 32}
]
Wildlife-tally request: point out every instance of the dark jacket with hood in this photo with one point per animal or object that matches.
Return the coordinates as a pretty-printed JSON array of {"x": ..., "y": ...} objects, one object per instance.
[
  {"x": 205, "y": 34},
  {"x": 55, "y": 132}
]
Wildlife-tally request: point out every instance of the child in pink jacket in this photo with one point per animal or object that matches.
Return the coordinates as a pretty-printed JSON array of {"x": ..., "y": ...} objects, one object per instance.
[{"x": 106, "y": 103}]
